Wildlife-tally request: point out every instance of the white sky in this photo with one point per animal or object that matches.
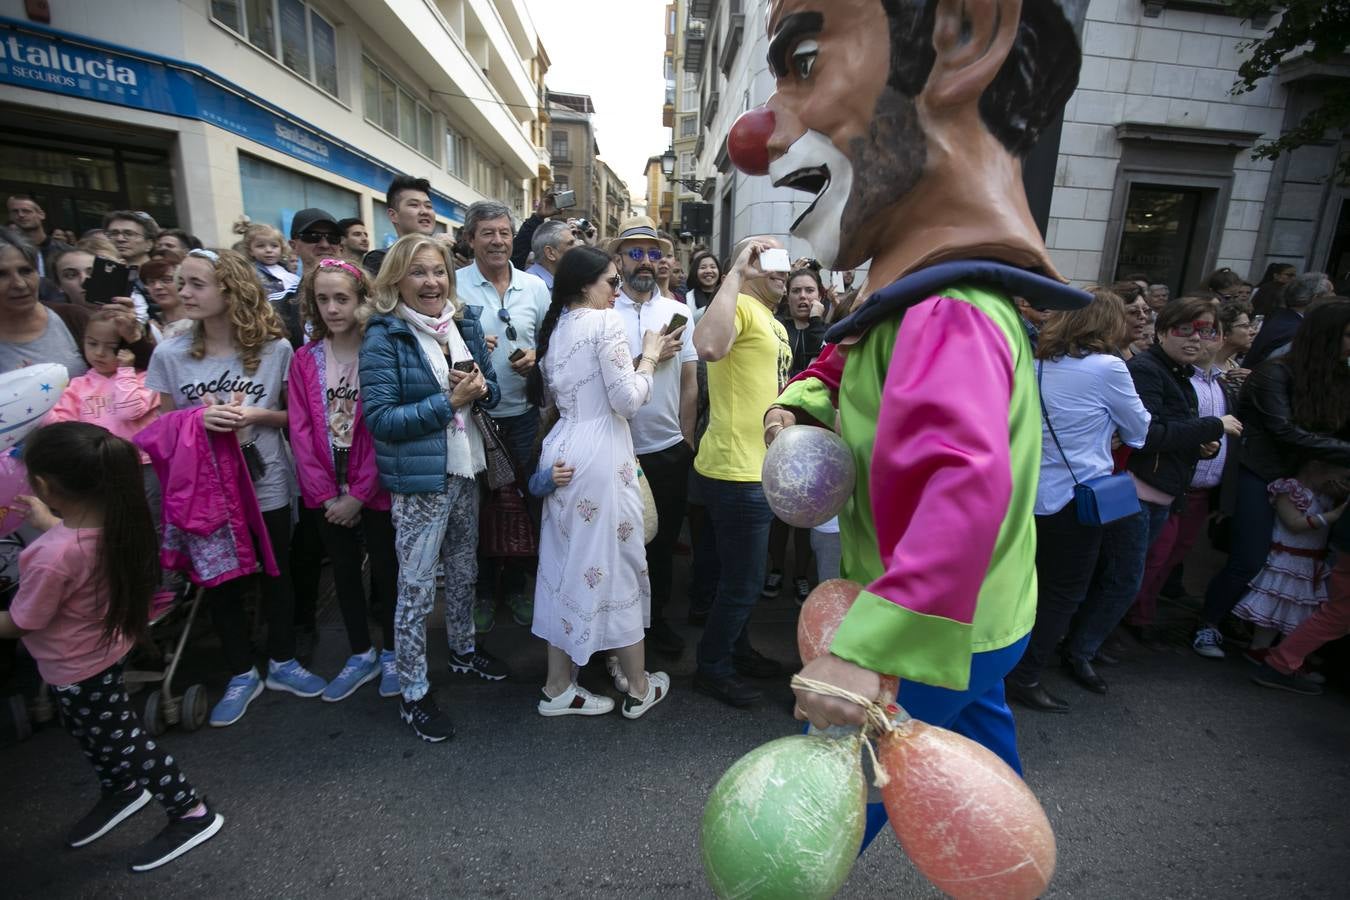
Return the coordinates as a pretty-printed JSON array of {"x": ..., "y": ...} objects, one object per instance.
[{"x": 612, "y": 50}]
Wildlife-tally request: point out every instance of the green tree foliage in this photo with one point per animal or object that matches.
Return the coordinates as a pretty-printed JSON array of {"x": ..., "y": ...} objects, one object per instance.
[{"x": 1321, "y": 30}]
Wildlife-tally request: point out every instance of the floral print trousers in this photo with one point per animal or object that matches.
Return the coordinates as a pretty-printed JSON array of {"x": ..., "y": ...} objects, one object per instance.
[{"x": 430, "y": 529}]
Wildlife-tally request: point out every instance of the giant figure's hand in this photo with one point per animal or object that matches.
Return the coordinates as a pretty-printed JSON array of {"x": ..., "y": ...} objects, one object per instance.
[{"x": 822, "y": 711}]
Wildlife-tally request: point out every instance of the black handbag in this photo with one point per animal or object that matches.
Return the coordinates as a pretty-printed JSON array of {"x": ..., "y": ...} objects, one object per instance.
[
  {"x": 501, "y": 471},
  {"x": 1098, "y": 501}
]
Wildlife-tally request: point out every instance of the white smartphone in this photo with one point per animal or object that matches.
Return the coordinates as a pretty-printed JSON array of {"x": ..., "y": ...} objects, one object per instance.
[{"x": 775, "y": 259}]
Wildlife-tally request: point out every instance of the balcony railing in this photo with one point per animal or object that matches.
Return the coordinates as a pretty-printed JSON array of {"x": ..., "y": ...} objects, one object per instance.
[
  {"x": 700, "y": 9},
  {"x": 695, "y": 41}
]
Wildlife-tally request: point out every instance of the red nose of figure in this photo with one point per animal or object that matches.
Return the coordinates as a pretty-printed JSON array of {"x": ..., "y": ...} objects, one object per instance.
[{"x": 748, "y": 142}]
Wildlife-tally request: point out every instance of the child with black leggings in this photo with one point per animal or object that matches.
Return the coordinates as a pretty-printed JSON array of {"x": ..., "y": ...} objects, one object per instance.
[{"x": 83, "y": 600}]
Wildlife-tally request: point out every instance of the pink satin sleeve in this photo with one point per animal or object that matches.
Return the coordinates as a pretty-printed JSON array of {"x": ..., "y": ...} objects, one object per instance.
[{"x": 941, "y": 474}]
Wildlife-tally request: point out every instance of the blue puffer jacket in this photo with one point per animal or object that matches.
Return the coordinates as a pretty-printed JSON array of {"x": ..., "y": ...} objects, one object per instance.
[{"x": 406, "y": 411}]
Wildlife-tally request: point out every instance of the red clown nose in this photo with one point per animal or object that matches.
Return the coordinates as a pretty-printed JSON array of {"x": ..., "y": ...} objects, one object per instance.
[{"x": 748, "y": 142}]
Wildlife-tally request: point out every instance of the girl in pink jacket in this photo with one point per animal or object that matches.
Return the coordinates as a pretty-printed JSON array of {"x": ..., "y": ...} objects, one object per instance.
[
  {"x": 335, "y": 462},
  {"x": 112, "y": 394}
]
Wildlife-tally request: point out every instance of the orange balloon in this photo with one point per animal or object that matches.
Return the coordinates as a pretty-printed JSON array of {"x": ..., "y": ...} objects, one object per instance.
[
  {"x": 970, "y": 825},
  {"x": 819, "y": 619}
]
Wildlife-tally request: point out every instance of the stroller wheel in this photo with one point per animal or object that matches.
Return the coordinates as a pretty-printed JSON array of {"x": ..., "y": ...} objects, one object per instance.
[
  {"x": 194, "y": 711},
  {"x": 154, "y": 715}
]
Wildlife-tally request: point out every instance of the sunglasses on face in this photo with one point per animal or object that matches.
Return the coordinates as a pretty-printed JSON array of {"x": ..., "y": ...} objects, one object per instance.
[
  {"x": 1203, "y": 330},
  {"x": 506, "y": 318},
  {"x": 637, "y": 254},
  {"x": 314, "y": 237}
]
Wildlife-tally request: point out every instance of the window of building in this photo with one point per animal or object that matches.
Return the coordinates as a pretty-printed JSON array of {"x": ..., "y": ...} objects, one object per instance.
[
  {"x": 686, "y": 164},
  {"x": 689, "y": 91},
  {"x": 391, "y": 107},
  {"x": 273, "y": 194},
  {"x": 559, "y": 149},
  {"x": 1159, "y": 234},
  {"x": 688, "y": 126},
  {"x": 290, "y": 31},
  {"x": 457, "y": 154}
]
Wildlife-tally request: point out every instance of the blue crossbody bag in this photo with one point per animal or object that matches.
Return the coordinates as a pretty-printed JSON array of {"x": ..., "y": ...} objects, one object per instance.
[{"x": 1098, "y": 501}]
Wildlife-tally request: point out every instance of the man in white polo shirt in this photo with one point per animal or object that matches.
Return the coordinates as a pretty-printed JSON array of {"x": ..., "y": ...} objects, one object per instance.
[{"x": 663, "y": 429}]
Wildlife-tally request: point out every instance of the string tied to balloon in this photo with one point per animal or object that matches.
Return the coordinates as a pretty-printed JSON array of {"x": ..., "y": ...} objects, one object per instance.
[{"x": 878, "y": 718}]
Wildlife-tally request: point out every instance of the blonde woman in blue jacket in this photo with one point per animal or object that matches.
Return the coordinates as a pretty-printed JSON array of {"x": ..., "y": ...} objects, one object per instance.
[{"x": 424, "y": 364}]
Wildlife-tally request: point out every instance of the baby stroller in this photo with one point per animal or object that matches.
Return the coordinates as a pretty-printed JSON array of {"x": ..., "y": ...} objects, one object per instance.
[{"x": 171, "y": 618}]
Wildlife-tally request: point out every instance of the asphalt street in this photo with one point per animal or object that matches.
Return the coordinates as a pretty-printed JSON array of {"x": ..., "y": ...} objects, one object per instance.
[{"x": 1186, "y": 780}]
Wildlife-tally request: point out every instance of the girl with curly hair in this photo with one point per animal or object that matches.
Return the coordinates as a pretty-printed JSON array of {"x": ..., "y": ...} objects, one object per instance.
[{"x": 234, "y": 362}]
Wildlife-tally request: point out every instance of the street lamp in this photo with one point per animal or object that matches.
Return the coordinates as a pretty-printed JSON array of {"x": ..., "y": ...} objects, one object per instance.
[{"x": 668, "y": 169}]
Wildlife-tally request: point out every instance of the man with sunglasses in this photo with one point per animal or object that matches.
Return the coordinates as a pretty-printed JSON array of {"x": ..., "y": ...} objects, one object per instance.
[
  {"x": 315, "y": 235},
  {"x": 663, "y": 429},
  {"x": 511, "y": 306}
]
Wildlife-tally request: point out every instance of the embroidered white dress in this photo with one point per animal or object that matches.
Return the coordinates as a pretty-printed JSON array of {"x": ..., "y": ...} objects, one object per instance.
[{"x": 592, "y": 591}]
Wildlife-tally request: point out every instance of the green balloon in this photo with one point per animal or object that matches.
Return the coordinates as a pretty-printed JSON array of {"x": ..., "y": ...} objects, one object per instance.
[{"x": 786, "y": 820}]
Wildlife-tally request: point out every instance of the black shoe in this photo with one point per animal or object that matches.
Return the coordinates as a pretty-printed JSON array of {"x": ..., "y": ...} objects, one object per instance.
[
  {"x": 730, "y": 690},
  {"x": 1267, "y": 676},
  {"x": 1105, "y": 659},
  {"x": 664, "y": 639},
  {"x": 478, "y": 662},
  {"x": 1035, "y": 697},
  {"x": 177, "y": 838},
  {"x": 426, "y": 718},
  {"x": 773, "y": 585},
  {"x": 756, "y": 665},
  {"x": 1082, "y": 672},
  {"x": 111, "y": 810},
  {"x": 802, "y": 589}
]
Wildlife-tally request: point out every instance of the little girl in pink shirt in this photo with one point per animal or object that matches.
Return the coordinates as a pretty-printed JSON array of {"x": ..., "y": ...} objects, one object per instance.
[{"x": 112, "y": 394}]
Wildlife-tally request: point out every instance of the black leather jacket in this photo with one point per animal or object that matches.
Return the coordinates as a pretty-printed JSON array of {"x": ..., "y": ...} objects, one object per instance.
[
  {"x": 1167, "y": 459},
  {"x": 1273, "y": 445}
]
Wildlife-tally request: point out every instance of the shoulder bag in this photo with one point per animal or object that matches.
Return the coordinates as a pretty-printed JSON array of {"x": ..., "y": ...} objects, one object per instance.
[{"x": 1099, "y": 501}]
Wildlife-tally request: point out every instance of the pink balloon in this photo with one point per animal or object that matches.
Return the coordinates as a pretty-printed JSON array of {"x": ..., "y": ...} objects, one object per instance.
[{"x": 13, "y": 482}]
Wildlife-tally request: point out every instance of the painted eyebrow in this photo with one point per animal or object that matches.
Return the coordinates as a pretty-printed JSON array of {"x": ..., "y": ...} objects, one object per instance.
[{"x": 793, "y": 26}]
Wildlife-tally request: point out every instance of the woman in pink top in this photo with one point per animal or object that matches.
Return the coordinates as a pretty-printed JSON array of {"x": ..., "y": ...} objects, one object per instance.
[
  {"x": 83, "y": 600},
  {"x": 335, "y": 462}
]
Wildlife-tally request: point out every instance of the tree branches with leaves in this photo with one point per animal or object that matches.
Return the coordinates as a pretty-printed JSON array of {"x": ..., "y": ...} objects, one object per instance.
[{"x": 1319, "y": 29}]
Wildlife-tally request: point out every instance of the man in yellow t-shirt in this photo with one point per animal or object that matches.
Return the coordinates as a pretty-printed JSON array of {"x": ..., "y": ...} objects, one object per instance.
[{"x": 748, "y": 358}]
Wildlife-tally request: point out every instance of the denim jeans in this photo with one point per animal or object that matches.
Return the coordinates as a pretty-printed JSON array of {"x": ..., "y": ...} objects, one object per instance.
[
  {"x": 1115, "y": 583},
  {"x": 518, "y": 433},
  {"x": 1253, "y": 521},
  {"x": 740, "y": 516}
]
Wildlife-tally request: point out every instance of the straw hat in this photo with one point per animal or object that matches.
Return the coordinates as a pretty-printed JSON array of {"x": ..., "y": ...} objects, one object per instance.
[{"x": 639, "y": 228}]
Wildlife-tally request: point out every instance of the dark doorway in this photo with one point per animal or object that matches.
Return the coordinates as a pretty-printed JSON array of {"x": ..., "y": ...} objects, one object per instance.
[{"x": 1159, "y": 235}]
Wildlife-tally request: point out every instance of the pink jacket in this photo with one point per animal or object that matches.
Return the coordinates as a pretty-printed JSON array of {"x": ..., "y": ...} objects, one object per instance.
[
  {"x": 308, "y": 411},
  {"x": 122, "y": 404},
  {"x": 213, "y": 528}
]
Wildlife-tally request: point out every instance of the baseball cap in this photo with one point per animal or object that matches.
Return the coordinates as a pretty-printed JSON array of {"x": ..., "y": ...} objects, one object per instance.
[{"x": 306, "y": 219}]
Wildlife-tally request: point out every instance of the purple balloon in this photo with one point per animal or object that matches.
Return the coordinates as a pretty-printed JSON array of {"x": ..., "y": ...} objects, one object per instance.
[{"x": 808, "y": 475}]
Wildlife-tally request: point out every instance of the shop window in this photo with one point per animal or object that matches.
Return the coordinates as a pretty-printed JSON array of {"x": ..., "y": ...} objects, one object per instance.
[
  {"x": 390, "y": 106},
  {"x": 1159, "y": 234},
  {"x": 273, "y": 194},
  {"x": 290, "y": 31}
]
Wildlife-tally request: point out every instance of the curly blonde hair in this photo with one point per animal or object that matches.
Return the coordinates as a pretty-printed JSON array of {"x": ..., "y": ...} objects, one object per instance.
[
  {"x": 384, "y": 296},
  {"x": 253, "y": 321},
  {"x": 309, "y": 309}
]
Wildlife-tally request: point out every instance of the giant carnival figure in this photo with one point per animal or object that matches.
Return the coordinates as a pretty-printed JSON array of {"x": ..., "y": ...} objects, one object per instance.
[{"x": 908, "y": 121}]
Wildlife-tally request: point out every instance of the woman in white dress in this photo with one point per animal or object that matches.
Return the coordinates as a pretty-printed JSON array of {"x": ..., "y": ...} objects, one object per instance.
[{"x": 591, "y": 593}]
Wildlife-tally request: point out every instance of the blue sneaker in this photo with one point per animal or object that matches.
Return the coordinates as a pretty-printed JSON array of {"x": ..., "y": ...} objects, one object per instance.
[
  {"x": 239, "y": 693},
  {"x": 358, "y": 670},
  {"x": 388, "y": 674},
  {"x": 293, "y": 678}
]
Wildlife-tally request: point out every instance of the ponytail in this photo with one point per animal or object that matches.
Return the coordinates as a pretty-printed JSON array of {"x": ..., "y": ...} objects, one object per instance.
[{"x": 87, "y": 463}]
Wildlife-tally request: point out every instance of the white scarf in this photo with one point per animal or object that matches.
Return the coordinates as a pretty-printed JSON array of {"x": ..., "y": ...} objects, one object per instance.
[{"x": 464, "y": 453}]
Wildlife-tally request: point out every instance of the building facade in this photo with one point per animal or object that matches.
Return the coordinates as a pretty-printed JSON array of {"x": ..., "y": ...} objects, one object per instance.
[
  {"x": 1154, "y": 173},
  {"x": 199, "y": 110},
  {"x": 601, "y": 196}
]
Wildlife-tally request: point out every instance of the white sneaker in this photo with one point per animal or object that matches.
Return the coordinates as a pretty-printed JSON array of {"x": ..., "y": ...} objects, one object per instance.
[
  {"x": 575, "y": 701},
  {"x": 616, "y": 672},
  {"x": 658, "y": 687},
  {"x": 1207, "y": 643}
]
